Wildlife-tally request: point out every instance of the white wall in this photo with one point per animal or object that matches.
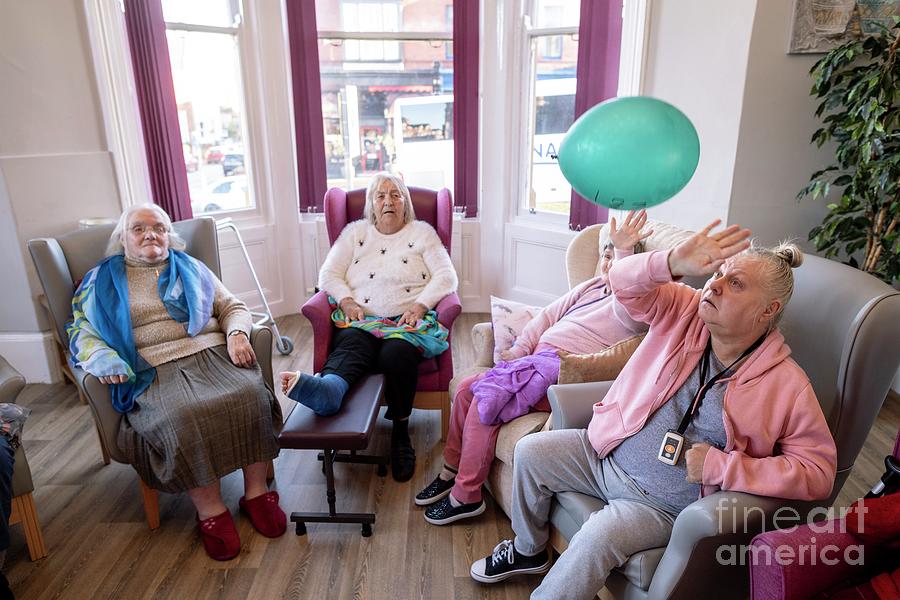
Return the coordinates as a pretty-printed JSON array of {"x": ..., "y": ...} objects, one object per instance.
[
  {"x": 775, "y": 158},
  {"x": 697, "y": 61},
  {"x": 54, "y": 161}
]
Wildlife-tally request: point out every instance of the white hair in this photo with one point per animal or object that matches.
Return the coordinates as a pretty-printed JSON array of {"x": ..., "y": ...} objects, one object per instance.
[
  {"x": 409, "y": 215},
  {"x": 116, "y": 243}
]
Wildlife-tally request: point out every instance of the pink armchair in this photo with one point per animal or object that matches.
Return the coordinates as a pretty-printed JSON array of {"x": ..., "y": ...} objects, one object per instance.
[
  {"x": 797, "y": 578},
  {"x": 435, "y": 208}
]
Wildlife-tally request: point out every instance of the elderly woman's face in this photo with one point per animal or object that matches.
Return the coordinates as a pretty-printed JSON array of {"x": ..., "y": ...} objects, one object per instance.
[
  {"x": 734, "y": 299},
  {"x": 146, "y": 237},
  {"x": 389, "y": 209}
]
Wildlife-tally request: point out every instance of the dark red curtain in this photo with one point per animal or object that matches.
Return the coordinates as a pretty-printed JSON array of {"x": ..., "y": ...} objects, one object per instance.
[
  {"x": 159, "y": 111},
  {"x": 465, "y": 104},
  {"x": 599, "y": 46},
  {"x": 309, "y": 132}
]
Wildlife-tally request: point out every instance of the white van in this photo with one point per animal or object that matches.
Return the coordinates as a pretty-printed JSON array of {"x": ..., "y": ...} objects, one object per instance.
[{"x": 423, "y": 140}]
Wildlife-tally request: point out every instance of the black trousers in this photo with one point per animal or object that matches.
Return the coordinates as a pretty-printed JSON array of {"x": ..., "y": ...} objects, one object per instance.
[{"x": 355, "y": 353}]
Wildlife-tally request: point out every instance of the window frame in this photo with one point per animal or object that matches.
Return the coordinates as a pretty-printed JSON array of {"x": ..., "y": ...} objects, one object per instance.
[
  {"x": 525, "y": 86},
  {"x": 251, "y": 92}
]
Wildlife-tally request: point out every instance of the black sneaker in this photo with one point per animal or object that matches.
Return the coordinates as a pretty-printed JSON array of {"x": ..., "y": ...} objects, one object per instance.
[
  {"x": 436, "y": 490},
  {"x": 505, "y": 561},
  {"x": 444, "y": 513},
  {"x": 403, "y": 457}
]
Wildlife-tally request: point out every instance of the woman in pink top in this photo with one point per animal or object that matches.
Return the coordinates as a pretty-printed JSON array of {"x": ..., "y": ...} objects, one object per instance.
[{"x": 585, "y": 320}]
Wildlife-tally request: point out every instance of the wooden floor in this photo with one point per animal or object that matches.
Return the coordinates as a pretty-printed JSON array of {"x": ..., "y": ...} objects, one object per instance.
[{"x": 100, "y": 546}]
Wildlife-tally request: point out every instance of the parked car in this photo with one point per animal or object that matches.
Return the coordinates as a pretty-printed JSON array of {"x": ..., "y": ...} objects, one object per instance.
[
  {"x": 214, "y": 155},
  {"x": 231, "y": 193},
  {"x": 232, "y": 164}
]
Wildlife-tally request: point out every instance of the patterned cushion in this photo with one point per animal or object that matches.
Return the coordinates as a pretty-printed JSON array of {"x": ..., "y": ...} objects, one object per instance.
[{"x": 509, "y": 319}]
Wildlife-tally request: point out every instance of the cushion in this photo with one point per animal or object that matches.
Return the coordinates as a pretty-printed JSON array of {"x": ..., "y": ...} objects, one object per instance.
[
  {"x": 601, "y": 366},
  {"x": 508, "y": 319},
  {"x": 512, "y": 432}
]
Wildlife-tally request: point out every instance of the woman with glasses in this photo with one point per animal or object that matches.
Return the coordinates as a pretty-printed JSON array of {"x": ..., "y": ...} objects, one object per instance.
[{"x": 161, "y": 330}]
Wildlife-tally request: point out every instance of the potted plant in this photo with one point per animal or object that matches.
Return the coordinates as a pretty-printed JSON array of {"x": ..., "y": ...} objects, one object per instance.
[{"x": 859, "y": 87}]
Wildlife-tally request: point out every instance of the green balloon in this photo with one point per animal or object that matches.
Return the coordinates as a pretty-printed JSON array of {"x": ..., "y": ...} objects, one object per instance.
[{"x": 630, "y": 153}]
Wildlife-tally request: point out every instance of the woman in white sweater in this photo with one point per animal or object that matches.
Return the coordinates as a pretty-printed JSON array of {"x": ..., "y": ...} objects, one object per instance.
[{"x": 385, "y": 272}]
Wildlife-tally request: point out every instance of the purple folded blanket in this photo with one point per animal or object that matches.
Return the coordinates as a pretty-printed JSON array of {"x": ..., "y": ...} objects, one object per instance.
[{"x": 511, "y": 388}]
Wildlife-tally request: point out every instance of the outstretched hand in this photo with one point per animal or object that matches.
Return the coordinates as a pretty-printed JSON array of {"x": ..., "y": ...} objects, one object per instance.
[
  {"x": 625, "y": 237},
  {"x": 704, "y": 252}
]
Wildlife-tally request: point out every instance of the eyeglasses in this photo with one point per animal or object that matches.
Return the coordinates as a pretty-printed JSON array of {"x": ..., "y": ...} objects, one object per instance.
[{"x": 158, "y": 229}]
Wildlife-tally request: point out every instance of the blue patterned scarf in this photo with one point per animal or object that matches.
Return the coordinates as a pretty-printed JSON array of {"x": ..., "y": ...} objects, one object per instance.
[{"x": 101, "y": 340}]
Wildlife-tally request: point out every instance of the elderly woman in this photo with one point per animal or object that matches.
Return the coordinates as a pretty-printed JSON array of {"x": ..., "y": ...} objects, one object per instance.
[
  {"x": 711, "y": 400},
  {"x": 173, "y": 345},
  {"x": 586, "y": 320},
  {"x": 385, "y": 273}
]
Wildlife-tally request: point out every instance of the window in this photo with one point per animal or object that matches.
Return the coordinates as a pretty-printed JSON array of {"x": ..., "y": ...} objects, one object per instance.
[
  {"x": 204, "y": 50},
  {"x": 553, "y": 51},
  {"x": 386, "y": 71}
]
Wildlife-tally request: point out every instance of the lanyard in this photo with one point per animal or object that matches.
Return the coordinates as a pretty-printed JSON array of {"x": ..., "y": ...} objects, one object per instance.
[{"x": 705, "y": 387}]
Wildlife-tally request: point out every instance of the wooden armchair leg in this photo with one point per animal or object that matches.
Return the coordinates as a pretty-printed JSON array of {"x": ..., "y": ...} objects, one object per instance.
[
  {"x": 24, "y": 511},
  {"x": 151, "y": 504}
]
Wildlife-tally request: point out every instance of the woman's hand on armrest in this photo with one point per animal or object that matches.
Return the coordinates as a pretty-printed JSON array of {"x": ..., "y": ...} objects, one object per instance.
[
  {"x": 240, "y": 351},
  {"x": 703, "y": 253}
]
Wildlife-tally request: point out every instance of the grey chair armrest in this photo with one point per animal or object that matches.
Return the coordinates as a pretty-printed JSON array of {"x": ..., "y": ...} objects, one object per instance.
[
  {"x": 11, "y": 382},
  {"x": 573, "y": 403},
  {"x": 261, "y": 340},
  {"x": 723, "y": 518},
  {"x": 483, "y": 344},
  {"x": 105, "y": 416}
]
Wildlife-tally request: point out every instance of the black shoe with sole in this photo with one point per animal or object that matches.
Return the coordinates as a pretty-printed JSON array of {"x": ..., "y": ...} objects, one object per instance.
[
  {"x": 443, "y": 512},
  {"x": 505, "y": 561},
  {"x": 435, "y": 490},
  {"x": 403, "y": 457}
]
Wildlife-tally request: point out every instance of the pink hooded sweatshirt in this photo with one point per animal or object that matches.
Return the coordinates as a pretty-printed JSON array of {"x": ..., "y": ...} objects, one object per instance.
[{"x": 778, "y": 443}]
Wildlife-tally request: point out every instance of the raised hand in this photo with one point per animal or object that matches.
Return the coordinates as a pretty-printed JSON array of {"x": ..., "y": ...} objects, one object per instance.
[
  {"x": 625, "y": 237},
  {"x": 704, "y": 252}
]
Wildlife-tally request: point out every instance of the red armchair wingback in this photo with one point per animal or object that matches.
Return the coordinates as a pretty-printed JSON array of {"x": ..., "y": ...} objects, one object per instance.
[{"x": 436, "y": 209}]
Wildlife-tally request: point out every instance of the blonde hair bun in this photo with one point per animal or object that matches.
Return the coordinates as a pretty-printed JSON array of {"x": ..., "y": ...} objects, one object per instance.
[{"x": 789, "y": 253}]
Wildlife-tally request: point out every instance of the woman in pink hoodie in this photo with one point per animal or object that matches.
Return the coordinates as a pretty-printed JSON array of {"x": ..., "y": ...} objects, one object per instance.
[
  {"x": 585, "y": 320},
  {"x": 710, "y": 400}
]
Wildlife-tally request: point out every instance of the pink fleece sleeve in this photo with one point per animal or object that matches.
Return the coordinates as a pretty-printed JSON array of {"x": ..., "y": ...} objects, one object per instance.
[
  {"x": 804, "y": 470},
  {"x": 639, "y": 283},
  {"x": 544, "y": 320}
]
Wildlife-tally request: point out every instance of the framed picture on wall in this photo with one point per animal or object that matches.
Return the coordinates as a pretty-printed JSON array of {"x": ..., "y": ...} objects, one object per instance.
[{"x": 817, "y": 26}]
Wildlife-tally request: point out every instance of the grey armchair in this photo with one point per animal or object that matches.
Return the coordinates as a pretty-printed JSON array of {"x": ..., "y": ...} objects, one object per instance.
[
  {"x": 24, "y": 509},
  {"x": 843, "y": 327},
  {"x": 63, "y": 261}
]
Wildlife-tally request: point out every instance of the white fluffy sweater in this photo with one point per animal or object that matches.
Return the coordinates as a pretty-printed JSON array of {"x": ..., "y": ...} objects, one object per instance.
[{"x": 387, "y": 274}]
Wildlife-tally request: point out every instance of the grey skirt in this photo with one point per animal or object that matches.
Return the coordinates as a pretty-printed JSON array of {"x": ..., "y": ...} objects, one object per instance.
[{"x": 200, "y": 419}]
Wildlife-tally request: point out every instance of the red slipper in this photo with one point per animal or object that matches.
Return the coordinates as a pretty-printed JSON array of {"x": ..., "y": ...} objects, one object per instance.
[
  {"x": 265, "y": 514},
  {"x": 220, "y": 536}
]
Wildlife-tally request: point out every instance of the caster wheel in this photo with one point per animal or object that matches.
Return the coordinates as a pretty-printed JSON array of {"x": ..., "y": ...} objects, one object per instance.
[
  {"x": 382, "y": 470},
  {"x": 366, "y": 530},
  {"x": 286, "y": 346},
  {"x": 300, "y": 528}
]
